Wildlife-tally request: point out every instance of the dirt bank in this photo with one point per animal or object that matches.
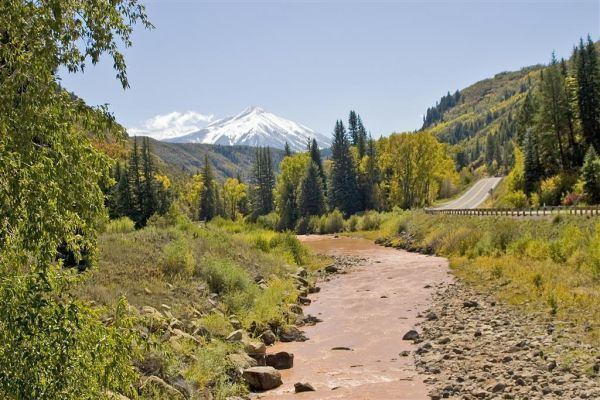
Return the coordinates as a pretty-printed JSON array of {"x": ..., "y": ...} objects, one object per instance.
[{"x": 365, "y": 313}]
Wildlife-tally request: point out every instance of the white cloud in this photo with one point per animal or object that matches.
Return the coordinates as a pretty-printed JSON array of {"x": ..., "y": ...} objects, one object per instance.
[{"x": 171, "y": 125}]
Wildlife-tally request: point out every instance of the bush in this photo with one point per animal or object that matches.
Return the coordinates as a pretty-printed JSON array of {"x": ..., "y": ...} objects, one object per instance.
[
  {"x": 288, "y": 243},
  {"x": 352, "y": 224},
  {"x": 314, "y": 223},
  {"x": 332, "y": 222},
  {"x": 120, "y": 225},
  {"x": 370, "y": 221},
  {"x": 516, "y": 199},
  {"x": 216, "y": 324},
  {"x": 269, "y": 221},
  {"x": 225, "y": 276},
  {"x": 178, "y": 258}
]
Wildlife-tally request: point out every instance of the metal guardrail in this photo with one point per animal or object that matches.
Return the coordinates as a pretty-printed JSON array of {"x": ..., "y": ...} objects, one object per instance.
[{"x": 518, "y": 212}]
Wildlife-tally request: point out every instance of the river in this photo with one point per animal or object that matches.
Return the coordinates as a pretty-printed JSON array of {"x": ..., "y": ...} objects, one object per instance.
[{"x": 367, "y": 310}]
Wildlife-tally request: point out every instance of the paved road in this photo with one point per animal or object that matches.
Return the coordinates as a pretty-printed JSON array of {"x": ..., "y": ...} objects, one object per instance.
[{"x": 476, "y": 195}]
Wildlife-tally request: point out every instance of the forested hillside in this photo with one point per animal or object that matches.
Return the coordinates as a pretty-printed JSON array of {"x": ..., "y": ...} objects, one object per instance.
[
  {"x": 188, "y": 158},
  {"x": 481, "y": 120}
]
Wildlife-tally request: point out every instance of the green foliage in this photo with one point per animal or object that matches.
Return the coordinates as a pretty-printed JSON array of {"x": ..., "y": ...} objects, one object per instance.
[
  {"x": 178, "y": 258},
  {"x": 332, "y": 222},
  {"x": 216, "y": 324},
  {"x": 311, "y": 200},
  {"x": 120, "y": 225},
  {"x": 208, "y": 196},
  {"x": 224, "y": 276},
  {"x": 590, "y": 173},
  {"x": 290, "y": 244},
  {"x": 262, "y": 183},
  {"x": 343, "y": 186},
  {"x": 288, "y": 187}
]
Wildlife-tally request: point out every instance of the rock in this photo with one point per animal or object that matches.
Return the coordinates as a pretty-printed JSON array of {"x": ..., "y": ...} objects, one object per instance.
[
  {"x": 470, "y": 304},
  {"x": 235, "y": 322},
  {"x": 295, "y": 308},
  {"x": 305, "y": 301},
  {"x": 331, "y": 269},
  {"x": 280, "y": 360},
  {"x": 268, "y": 337},
  {"x": 262, "y": 378},
  {"x": 444, "y": 340},
  {"x": 498, "y": 387},
  {"x": 411, "y": 335},
  {"x": 290, "y": 333},
  {"x": 337, "y": 348},
  {"x": 300, "y": 387},
  {"x": 404, "y": 353},
  {"x": 551, "y": 365},
  {"x": 235, "y": 336},
  {"x": 241, "y": 361},
  {"x": 253, "y": 347},
  {"x": 178, "y": 334},
  {"x": 431, "y": 316}
]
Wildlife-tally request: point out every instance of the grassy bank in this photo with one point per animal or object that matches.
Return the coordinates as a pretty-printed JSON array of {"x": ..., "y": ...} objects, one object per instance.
[
  {"x": 549, "y": 265},
  {"x": 191, "y": 285}
]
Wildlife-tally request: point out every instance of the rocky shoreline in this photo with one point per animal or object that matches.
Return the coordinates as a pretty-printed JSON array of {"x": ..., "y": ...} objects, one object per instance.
[{"x": 471, "y": 347}]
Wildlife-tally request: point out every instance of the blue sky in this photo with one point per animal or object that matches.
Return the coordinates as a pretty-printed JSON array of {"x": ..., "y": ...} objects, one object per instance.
[{"x": 313, "y": 61}]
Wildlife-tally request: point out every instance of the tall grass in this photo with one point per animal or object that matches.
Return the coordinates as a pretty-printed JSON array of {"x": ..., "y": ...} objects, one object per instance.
[{"x": 547, "y": 265}]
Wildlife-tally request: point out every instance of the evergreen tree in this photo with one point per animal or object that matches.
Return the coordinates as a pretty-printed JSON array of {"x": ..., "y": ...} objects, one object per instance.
[
  {"x": 208, "y": 195},
  {"x": 343, "y": 188},
  {"x": 353, "y": 127},
  {"x": 135, "y": 188},
  {"x": 149, "y": 201},
  {"x": 262, "y": 182},
  {"x": 311, "y": 198},
  {"x": 590, "y": 172},
  {"x": 532, "y": 167},
  {"x": 361, "y": 138},
  {"x": 315, "y": 156},
  {"x": 371, "y": 178},
  {"x": 287, "y": 150},
  {"x": 588, "y": 81}
]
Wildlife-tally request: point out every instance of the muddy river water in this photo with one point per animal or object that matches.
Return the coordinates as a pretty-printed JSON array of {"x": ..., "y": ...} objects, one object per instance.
[{"x": 367, "y": 310}]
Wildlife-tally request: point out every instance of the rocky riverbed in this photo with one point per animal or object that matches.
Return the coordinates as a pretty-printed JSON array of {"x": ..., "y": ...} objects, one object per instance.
[{"x": 471, "y": 347}]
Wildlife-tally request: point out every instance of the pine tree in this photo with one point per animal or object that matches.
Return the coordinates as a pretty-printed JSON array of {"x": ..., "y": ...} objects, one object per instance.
[
  {"x": 315, "y": 156},
  {"x": 371, "y": 178},
  {"x": 353, "y": 127},
  {"x": 262, "y": 182},
  {"x": 135, "y": 186},
  {"x": 343, "y": 188},
  {"x": 533, "y": 170},
  {"x": 148, "y": 189},
  {"x": 208, "y": 195},
  {"x": 361, "y": 138},
  {"x": 590, "y": 172},
  {"x": 588, "y": 80},
  {"x": 311, "y": 198},
  {"x": 287, "y": 150}
]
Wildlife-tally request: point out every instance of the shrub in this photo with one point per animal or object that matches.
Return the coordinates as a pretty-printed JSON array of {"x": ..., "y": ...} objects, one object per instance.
[
  {"x": 225, "y": 276},
  {"x": 370, "y": 221},
  {"x": 288, "y": 243},
  {"x": 216, "y": 324},
  {"x": 302, "y": 227},
  {"x": 120, "y": 225},
  {"x": 332, "y": 222},
  {"x": 314, "y": 223},
  {"x": 178, "y": 258},
  {"x": 352, "y": 223},
  {"x": 516, "y": 199},
  {"x": 270, "y": 304},
  {"x": 269, "y": 221}
]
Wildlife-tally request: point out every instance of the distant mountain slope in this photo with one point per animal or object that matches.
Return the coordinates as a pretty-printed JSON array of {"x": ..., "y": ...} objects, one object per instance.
[
  {"x": 255, "y": 127},
  {"x": 228, "y": 161},
  {"x": 482, "y": 118}
]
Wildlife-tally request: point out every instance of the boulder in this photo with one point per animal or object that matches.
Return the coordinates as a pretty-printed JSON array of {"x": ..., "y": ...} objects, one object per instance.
[
  {"x": 290, "y": 333},
  {"x": 235, "y": 336},
  {"x": 153, "y": 384},
  {"x": 253, "y": 347},
  {"x": 280, "y": 360},
  {"x": 268, "y": 337},
  {"x": 300, "y": 387},
  {"x": 331, "y": 269},
  {"x": 241, "y": 361},
  {"x": 262, "y": 378},
  {"x": 411, "y": 335}
]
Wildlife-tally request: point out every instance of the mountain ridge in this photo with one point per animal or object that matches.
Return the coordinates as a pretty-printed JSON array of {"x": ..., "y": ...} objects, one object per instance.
[{"x": 254, "y": 127}]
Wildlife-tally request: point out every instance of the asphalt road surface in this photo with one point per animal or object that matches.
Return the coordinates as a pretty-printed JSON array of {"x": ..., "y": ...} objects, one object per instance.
[{"x": 473, "y": 197}]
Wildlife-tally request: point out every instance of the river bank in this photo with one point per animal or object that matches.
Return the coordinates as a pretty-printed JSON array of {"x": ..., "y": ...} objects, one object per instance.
[{"x": 357, "y": 351}]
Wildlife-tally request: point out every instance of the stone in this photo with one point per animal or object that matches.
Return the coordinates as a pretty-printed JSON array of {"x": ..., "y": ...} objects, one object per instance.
[
  {"x": 411, "y": 335},
  {"x": 300, "y": 387},
  {"x": 444, "y": 340},
  {"x": 154, "y": 383},
  {"x": 470, "y": 304},
  {"x": 331, "y": 269},
  {"x": 253, "y": 347},
  {"x": 235, "y": 336},
  {"x": 280, "y": 360},
  {"x": 404, "y": 353},
  {"x": 262, "y": 378},
  {"x": 498, "y": 387},
  {"x": 241, "y": 361},
  {"x": 290, "y": 333},
  {"x": 268, "y": 337}
]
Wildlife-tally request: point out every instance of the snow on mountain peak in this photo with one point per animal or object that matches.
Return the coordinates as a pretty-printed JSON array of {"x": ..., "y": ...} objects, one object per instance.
[{"x": 255, "y": 127}]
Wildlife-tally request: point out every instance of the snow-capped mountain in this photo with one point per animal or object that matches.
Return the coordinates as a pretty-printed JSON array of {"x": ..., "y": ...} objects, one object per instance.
[{"x": 255, "y": 127}]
